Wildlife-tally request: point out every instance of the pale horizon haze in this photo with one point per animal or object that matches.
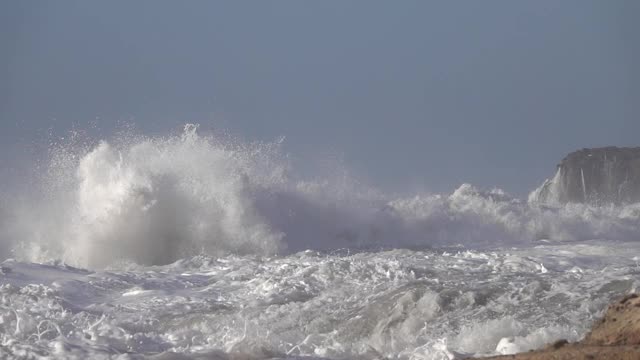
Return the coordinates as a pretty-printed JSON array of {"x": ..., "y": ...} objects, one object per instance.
[{"x": 421, "y": 95}]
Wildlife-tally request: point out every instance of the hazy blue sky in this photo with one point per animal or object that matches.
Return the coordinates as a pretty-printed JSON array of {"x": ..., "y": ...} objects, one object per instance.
[{"x": 424, "y": 94}]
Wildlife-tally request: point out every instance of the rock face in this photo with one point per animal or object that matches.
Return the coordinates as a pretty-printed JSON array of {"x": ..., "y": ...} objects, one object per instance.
[
  {"x": 615, "y": 337},
  {"x": 594, "y": 176},
  {"x": 619, "y": 326}
]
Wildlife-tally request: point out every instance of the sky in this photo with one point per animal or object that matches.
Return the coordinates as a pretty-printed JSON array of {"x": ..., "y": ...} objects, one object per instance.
[{"x": 421, "y": 95}]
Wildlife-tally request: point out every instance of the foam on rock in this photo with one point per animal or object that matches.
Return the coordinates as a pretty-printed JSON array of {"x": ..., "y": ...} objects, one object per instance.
[{"x": 615, "y": 337}]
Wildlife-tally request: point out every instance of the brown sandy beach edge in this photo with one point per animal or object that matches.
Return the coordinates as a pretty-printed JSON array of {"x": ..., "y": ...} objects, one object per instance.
[{"x": 615, "y": 337}]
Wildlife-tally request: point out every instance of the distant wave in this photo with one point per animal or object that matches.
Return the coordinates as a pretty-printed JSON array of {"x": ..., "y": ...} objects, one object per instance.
[{"x": 154, "y": 200}]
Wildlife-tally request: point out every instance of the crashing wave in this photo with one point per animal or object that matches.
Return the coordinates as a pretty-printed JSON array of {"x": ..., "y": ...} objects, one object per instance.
[{"x": 154, "y": 200}]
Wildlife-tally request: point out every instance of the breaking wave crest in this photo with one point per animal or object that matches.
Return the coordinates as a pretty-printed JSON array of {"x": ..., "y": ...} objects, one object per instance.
[{"x": 154, "y": 200}]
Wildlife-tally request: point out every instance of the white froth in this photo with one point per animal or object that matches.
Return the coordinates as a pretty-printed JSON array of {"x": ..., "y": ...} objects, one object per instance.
[
  {"x": 201, "y": 246},
  {"x": 396, "y": 304}
]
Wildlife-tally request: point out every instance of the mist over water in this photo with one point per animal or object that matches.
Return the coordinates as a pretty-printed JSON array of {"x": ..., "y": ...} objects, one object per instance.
[{"x": 154, "y": 200}]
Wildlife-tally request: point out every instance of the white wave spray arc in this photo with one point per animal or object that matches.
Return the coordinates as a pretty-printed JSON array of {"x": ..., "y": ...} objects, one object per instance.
[{"x": 154, "y": 200}]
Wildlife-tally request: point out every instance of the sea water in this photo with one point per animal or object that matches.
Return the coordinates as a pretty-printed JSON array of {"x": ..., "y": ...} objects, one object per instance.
[{"x": 203, "y": 246}]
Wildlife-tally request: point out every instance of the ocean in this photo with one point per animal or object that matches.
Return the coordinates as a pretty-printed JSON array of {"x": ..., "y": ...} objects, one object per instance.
[{"x": 191, "y": 246}]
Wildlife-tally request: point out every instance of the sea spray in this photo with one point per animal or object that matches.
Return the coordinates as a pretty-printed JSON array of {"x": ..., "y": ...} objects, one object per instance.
[
  {"x": 154, "y": 200},
  {"x": 199, "y": 247}
]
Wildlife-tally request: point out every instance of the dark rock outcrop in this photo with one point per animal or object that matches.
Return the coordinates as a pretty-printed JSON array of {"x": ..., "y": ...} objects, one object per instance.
[{"x": 608, "y": 175}]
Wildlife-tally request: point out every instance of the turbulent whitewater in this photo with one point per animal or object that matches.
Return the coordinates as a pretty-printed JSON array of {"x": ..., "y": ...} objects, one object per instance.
[{"x": 201, "y": 246}]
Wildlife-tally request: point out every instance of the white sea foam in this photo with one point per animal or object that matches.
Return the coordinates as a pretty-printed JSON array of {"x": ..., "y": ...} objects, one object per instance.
[
  {"x": 205, "y": 246},
  {"x": 400, "y": 304}
]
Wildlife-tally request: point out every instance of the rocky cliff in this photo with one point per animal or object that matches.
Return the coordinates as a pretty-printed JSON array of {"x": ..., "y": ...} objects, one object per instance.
[{"x": 595, "y": 176}]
